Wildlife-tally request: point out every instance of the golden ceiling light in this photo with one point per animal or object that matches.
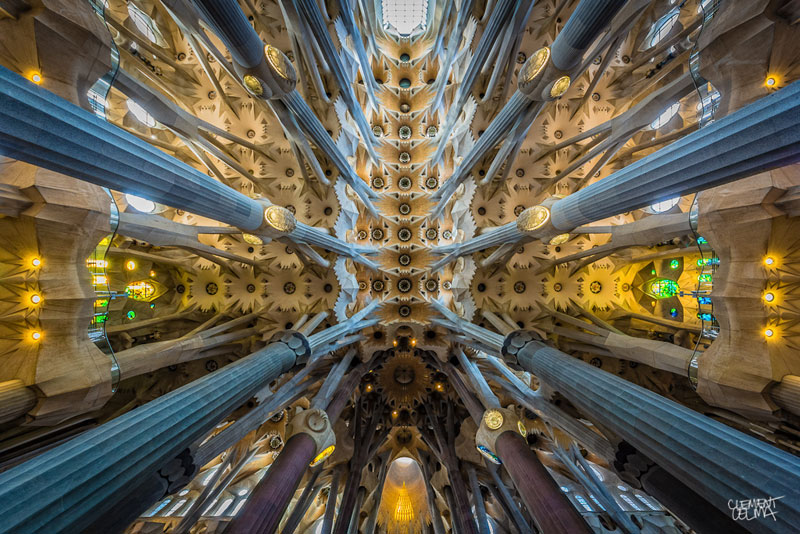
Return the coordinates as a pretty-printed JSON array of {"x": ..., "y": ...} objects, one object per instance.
[
  {"x": 280, "y": 219},
  {"x": 130, "y": 265},
  {"x": 322, "y": 456},
  {"x": 522, "y": 429},
  {"x": 771, "y": 81},
  {"x": 769, "y": 332},
  {"x": 36, "y": 262},
  {"x": 36, "y": 335},
  {"x": 533, "y": 218},
  {"x": 252, "y": 239},
  {"x": 560, "y": 239},
  {"x": 368, "y": 388},
  {"x": 253, "y": 84},
  {"x": 36, "y": 299},
  {"x": 769, "y": 296},
  {"x": 535, "y": 65},
  {"x": 769, "y": 261},
  {"x": 278, "y": 61},
  {"x": 493, "y": 419},
  {"x": 560, "y": 87},
  {"x": 36, "y": 77}
]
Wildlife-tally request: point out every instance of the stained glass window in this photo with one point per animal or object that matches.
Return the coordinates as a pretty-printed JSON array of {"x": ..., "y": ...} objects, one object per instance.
[{"x": 661, "y": 288}]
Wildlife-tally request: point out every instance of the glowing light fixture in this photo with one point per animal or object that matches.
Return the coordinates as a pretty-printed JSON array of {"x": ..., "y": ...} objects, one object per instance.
[
  {"x": 130, "y": 265},
  {"x": 36, "y": 262},
  {"x": 769, "y": 332},
  {"x": 252, "y": 239},
  {"x": 536, "y": 64},
  {"x": 36, "y": 299},
  {"x": 406, "y": 17},
  {"x": 560, "y": 87},
  {"x": 493, "y": 419},
  {"x": 36, "y": 335},
  {"x": 771, "y": 81},
  {"x": 404, "y": 512},
  {"x": 769, "y": 260},
  {"x": 769, "y": 296},
  {"x": 322, "y": 456},
  {"x": 522, "y": 429},
  {"x": 35, "y": 77}
]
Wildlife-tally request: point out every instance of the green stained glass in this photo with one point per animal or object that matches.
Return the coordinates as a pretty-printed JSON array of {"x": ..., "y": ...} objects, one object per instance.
[
  {"x": 131, "y": 315},
  {"x": 674, "y": 264},
  {"x": 661, "y": 288},
  {"x": 704, "y": 278}
]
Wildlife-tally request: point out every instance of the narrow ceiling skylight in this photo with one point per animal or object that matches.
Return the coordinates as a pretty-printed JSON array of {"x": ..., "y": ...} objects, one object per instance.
[{"x": 406, "y": 17}]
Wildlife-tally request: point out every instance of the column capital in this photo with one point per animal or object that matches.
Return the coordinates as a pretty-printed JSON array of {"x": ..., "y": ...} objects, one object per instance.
[
  {"x": 516, "y": 341},
  {"x": 494, "y": 422},
  {"x": 297, "y": 343},
  {"x": 314, "y": 423}
]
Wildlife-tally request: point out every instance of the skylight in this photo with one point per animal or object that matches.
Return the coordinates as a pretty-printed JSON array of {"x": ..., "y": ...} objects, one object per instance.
[{"x": 406, "y": 17}]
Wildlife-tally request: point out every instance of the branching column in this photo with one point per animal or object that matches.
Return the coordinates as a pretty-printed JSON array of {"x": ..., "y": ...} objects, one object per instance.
[
  {"x": 88, "y": 481},
  {"x": 714, "y": 460}
]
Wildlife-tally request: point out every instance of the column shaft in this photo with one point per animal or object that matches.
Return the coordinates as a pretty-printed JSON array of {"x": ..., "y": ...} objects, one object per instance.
[
  {"x": 266, "y": 506},
  {"x": 540, "y": 493},
  {"x": 714, "y": 460},
  {"x": 68, "y": 487},
  {"x": 693, "y": 510},
  {"x": 15, "y": 400},
  {"x": 40, "y": 128},
  {"x": 761, "y": 136}
]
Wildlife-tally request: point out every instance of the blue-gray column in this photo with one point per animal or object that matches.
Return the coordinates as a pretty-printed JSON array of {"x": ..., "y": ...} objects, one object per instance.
[
  {"x": 40, "y": 128},
  {"x": 761, "y": 136},
  {"x": 66, "y": 489},
  {"x": 713, "y": 459},
  {"x": 228, "y": 22},
  {"x": 582, "y": 28}
]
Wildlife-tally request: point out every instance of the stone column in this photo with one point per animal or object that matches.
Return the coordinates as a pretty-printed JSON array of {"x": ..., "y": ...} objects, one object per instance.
[
  {"x": 714, "y": 460},
  {"x": 15, "y": 400},
  {"x": 40, "y": 128},
  {"x": 501, "y": 433},
  {"x": 681, "y": 500},
  {"x": 94, "y": 479},
  {"x": 267, "y": 504},
  {"x": 311, "y": 441},
  {"x": 758, "y": 137}
]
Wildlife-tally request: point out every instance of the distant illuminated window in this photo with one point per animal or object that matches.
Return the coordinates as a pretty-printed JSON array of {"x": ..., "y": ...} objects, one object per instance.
[
  {"x": 665, "y": 116},
  {"x": 175, "y": 508},
  {"x": 141, "y": 114},
  {"x": 662, "y": 288},
  {"x": 583, "y": 503},
  {"x": 405, "y": 16},
  {"x": 597, "y": 502},
  {"x": 158, "y": 508},
  {"x": 144, "y": 24},
  {"x": 224, "y": 506},
  {"x": 662, "y": 27},
  {"x": 646, "y": 502},
  {"x": 140, "y": 291},
  {"x": 238, "y": 506},
  {"x": 664, "y": 205},
  {"x": 630, "y": 502},
  {"x": 140, "y": 204}
]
